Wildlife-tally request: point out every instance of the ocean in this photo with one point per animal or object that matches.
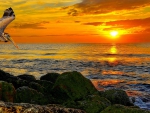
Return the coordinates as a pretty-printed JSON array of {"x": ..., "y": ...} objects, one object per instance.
[{"x": 121, "y": 66}]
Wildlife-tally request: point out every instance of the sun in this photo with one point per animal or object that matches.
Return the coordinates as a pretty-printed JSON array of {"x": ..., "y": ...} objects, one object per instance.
[{"x": 114, "y": 33}]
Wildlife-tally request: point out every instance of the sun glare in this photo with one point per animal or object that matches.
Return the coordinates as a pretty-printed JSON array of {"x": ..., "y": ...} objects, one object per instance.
[{"x": 114, "y": 33}]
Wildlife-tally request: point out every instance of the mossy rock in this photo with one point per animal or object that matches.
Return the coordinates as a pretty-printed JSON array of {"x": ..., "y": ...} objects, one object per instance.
[
  {"x": 116, "y": 96},
  {"x": 27, "y": 95},
  {"x": 72, "y": 86},
  {"x": 27, "y": 77},
  {"x": 37, "y": 87},
  {"x": 7, "y": 91},
  {"x": 18, "y": 83},
  {"x": 46, "y": 84},
  {"x": 94, "y": 104},
  {"x": 50, "y": 77},
  {"x": 123, "y": 109},
  {"x": 4, "y": 76}
]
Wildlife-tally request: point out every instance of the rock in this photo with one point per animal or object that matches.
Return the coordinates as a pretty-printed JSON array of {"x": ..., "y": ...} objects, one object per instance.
[
  {"x": 4, "y": 76},
  {"x": 18, "y": 82},
  {"x": 123, "y": 109},
  {"x": 46, "y": 84},
  {"x": 50, "y": 77},
  {"x": 31, "y": 108},
  {"x": 72, "y": 86},
  {"x": 27, "y": 77},
  {"x": 94, "y": 104},
  {"x": 37, "y": 87},
  {"x": 28, "y": 95},
  {"x": 116, "y": 96},
  {"x": 7, "y": 91}
]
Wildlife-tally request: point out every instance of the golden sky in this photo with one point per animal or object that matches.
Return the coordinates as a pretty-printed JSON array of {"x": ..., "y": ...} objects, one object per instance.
[{"x": 79, "y": 21}]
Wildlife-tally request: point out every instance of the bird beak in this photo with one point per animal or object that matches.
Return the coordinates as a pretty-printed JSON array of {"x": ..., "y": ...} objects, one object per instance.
[{"x": 13, "y": 42}]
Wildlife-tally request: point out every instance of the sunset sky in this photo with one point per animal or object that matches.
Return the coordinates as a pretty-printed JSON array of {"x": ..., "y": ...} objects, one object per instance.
[{"x": 79, "y": 21}]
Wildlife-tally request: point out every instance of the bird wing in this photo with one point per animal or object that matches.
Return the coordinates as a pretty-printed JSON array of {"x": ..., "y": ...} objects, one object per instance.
[
  {"x": 8, "y": 17},
  {"x": 2, "y": 39}
]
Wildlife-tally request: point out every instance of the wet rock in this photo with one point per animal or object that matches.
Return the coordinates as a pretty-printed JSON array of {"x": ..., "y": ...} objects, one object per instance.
[
  {"x": 123, "y": 109},
  {"x": 4, "y": 76},
  {"x": 7, "y": 91},
  {"x": 94, "y": 104},
  {"x": 72, "y": 86},
  {"x": 27, "y": 77},
  {"x": 31, "y": 108},
  {"x": 50, "y": 77},
  {"x": 46, "y": 84},
  {"x": 37, "y": 87},
  {"x": 28, "y": 95},
  {"x": 18, "y": 82},
  {"x": 116, "y": 96}
]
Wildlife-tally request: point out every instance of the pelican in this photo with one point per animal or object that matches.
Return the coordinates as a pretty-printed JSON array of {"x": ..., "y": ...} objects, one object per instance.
[{"x": 8, "y": 17}]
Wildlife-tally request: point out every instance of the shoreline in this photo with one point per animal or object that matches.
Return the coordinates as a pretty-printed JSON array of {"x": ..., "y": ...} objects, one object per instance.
[{"x": 70, "y": 89}]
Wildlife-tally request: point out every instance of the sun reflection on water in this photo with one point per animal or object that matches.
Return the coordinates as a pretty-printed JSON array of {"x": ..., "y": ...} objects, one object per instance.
[{"x": 113, "y": 50}]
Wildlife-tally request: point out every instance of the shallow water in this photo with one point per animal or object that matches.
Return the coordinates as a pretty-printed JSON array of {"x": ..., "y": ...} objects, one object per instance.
[{"x": 123, "y": 66}]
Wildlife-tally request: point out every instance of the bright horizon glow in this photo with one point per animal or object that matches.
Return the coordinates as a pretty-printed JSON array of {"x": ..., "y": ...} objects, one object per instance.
[{"x": 114, "y": 34}]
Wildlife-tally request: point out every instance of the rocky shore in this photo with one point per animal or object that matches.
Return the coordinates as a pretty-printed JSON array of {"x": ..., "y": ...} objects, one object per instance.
[{"x": 69, "y": 92}]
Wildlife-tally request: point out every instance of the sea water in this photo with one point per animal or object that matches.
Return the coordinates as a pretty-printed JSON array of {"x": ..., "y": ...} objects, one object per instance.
[{"x": 120, "y": 66}]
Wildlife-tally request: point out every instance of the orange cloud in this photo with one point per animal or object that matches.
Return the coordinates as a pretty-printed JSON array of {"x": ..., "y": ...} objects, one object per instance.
[
  {"x": 106, "y": 6},
  {"x": 125, "y": 24},
  {"x": 31, "y": 25}
]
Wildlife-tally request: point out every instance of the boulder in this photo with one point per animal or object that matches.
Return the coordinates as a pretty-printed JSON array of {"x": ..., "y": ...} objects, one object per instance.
[
  {"x": 4, "y": 76},
  {"x": 46, "y": 84},
  {"x": 37, "y": 87},
  {"x": 123, "y": 109},
  {"x": 92, "y": 104},
  {"x": 116, "y": 96},
  {"x": 50, "y": 77},
  {"x": 7, "y": 91},
  {"x": 72, "y": 86},
  {"x": 27, "y": 95},
  {"x": 27, "y": 77},
  {"x": 18, "y": 82}
]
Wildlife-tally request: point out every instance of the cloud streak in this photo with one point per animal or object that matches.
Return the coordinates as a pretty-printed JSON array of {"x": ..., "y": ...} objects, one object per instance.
[
  {"x": 31, "y": 25},
  {"x": 105, "y": 6},
  {"x": 124, "y": 24}
]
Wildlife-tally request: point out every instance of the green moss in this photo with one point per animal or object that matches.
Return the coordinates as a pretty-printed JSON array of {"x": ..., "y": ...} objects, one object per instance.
[
  {"x": 116, "y": 96},
  {"x": 46, "y": 84},
  {"x": 123, "y": 109},
  {"x": 7, "y": 91},
  {"x": 37, "y": 87},
  {"x": 50, "y": 77},
  {"x": 72, "y": 86},
  {"x": 94, "y": 104},
  {"x": 28, "y": 95}
]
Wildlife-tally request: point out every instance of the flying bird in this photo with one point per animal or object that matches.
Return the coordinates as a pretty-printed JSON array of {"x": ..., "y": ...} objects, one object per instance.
[{"x": 8, "y": 17}]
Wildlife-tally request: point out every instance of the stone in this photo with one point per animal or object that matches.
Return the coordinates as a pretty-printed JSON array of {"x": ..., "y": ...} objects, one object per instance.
[
  {"x": 18, "y": 82},
  {"x": 37, "y": 87},
  {"x": 46, "y": 84},
  {"x": 50, "y": 77},
  {"x": 32, "y": 108},
  {"x": 27, "y": 95},
  {"x": 92, "y": 104},
  {"x": 7, "y": 91},
  {"x": 4, "y": 76},
  {"x": 123, "y": 109},
  {"x": 116, "y": 96},
  {"x": 72, "y": 86},
  {"x": 27, "y": 77}
]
